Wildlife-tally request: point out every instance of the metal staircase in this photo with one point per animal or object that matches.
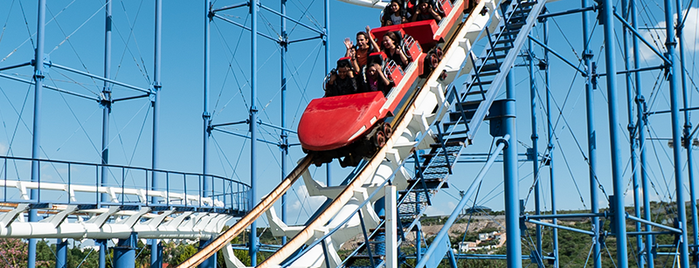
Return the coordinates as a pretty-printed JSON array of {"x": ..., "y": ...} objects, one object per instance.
[{"x": 469, "y": 107}]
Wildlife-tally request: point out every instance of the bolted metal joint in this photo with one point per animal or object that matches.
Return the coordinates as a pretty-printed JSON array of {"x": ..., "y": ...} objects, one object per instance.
[
  {"x": 105, "y": 102},
  {"x": 594, "y": 76},
  {"x": 210, "y": 13},
  {"x": 38, "y": 75},
  {"x": 503, "y": 141},
  {"x": 640, "y": 99},
  {"x": 667, "y": 67},
  {"x": 669, "y": 44}
]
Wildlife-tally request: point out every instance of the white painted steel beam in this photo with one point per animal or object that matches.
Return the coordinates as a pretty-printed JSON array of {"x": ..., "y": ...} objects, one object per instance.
[
  {"x": 69, "y": 222},
  {"x": 114, "y": 193}
]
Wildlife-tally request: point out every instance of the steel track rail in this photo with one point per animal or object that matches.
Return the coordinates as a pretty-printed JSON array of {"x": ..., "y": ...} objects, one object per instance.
[{"x": 226, "y": 237}]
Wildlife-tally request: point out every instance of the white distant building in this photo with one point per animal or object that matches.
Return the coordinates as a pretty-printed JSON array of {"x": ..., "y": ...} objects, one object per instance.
[
  {"x": 487, "y": 236},
  {"x": 466, "y": 246}
]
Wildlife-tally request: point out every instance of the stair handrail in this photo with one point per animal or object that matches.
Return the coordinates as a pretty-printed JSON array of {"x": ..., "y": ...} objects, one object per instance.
[
  {"x": 443, "y": 233},
  {"x": 499, "y": 79}
]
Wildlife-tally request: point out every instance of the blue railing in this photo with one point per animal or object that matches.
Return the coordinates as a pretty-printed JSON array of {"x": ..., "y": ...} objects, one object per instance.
[{"x": 76, "y": 183}]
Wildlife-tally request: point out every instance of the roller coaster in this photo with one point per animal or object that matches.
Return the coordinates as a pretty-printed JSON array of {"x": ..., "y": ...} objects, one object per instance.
[
  {"x": 351, "y": 211},
  {"x": 418, "y": 133}
]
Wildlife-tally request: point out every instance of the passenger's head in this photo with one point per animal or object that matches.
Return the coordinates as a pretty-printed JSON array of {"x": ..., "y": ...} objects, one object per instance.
[
  {"x": 343, "y": 68},
  {"x": 363, "y": 40},
  {"x": 394, "y": 6},
  {"x": 373, "y": 70},
  {"x": 423, "y": 5},
  {"x": 390, "y": 40}
]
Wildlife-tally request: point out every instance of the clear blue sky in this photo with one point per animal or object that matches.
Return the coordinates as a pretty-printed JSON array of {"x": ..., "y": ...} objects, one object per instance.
[{"x": 72, "y": 126}]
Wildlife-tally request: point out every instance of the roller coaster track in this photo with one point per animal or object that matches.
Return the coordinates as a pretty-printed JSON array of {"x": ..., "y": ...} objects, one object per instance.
[
  {"x": 413, "y": 131},
  {"x": 75, "y": 203}
]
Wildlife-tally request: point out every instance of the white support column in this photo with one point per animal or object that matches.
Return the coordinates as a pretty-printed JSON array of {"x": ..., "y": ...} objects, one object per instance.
[{"x": 391, "y": 225}]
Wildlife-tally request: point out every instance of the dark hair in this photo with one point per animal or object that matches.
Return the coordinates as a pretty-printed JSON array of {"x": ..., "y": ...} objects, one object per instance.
[
  {"x": 393, "y": 36},
  {"x": 365, "y": 34},
  {"x": 387, "y": 12},
  {"x": 343, "y": 63},
  {"x": 399, "y": 2}
]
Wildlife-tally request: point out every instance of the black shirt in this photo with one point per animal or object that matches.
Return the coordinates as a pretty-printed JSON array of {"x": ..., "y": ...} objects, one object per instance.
[{"x": 342, "y": 87}]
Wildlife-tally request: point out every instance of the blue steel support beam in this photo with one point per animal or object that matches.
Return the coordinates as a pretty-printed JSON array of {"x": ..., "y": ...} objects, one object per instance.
[
  {"x": 686, "y": 135},
  {"x": 125, "y": 252},
  {"x": 252, "y": 243},
  {"x": 242, "y": 4},
  {"x": 247, "y": 137},
  {"x": 674, "y": 70},
  {"x": 97, "y": 77},
  {"x": 206, "y": 118},
  {"x": 631, "y": 127},
  {"x": 550, "y": 138},
  {"x": 568, "y": 12},
  {"x": 157, "y": 255},
  {"x": 15, "y": 66},
  {"x": 61, "y": 253},
  {"x": 636, "y": 70},
  {"x": 106, "y": 103},
  {"x": 549, "y": 49},
  {"x": 245, "y": 27},
  {"x": 435, "y": 253},
  {"x": 651, "y": 233},
  {"x": 640, "y": 37},
  {"x": 305, "y": 39},
  {"x": 106, "y": 99},
  {"x": 38, "y": 78},
  {"x": 156, "y": 116},
  {"x": 672, "y": 229},
  {"x": 284, "y": 16},
  {"x": 641, "y": 125},
  {"x": 512, "y": 210},
  {"x": 11, "y": 77},
  {"x": 619, "y": 219},
  {"x": 282, "y": 128},
  {"x": 484, "y": 257},
  {"x": 103, "y": 252},
  {"x": 591, "y": 139},
  {"x": 535, "y": 150},
  {"x": 284, "y": 136},
  {"x": 562, "y": 227},
  {"x": 565, "y": 216}
]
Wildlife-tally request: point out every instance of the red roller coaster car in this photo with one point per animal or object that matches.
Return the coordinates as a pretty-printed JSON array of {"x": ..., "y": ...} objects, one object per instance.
[{"x": 354, "y": 126}]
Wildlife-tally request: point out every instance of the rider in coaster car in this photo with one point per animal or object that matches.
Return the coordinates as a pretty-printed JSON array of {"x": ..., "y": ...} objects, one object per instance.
[
  {"x": 359, "y": 53},
  {"x": 394, "y": 14},
  {"x": 391, "y": 46},
  {"x": 374, "y": 78},
  {"x": 342, "y": 81},
  {"x": 425, "y": 11}
]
